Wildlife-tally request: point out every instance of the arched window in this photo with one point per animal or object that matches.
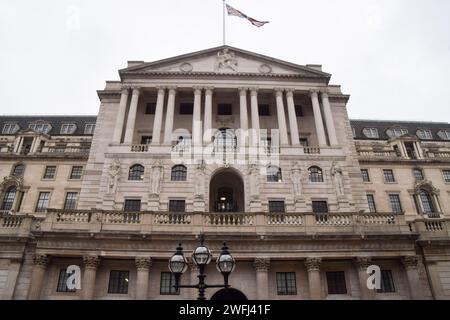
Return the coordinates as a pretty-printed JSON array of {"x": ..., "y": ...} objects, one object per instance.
[
  {"x": 18, "y": 170},
  {"x": 315, "y": 174},
  {"x": 8, "y": 199},
  {"x": 427, "y": 202},
  {"x": 274, "y": 174},
  {"x": 179, "y": 173},
  {"x": 225, "y": 140},
  {"x": 136, "y": 173}
]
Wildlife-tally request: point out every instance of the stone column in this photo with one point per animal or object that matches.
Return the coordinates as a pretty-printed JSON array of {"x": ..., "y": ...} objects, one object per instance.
[
  {"x": 315, "y": 284},
  {"x": 143, "y": 266},
  {"x": 243, "y": 113},
  {"x": 281, "y": 117},
  {"x": 293, "y": 125},
  {"x": 208, "y": 114},
  {"x": 318, "y": 118},
  {"x": 11, "y": 280},
  {"x": 196, "y": 117},
  {"x": 91, "y": 264},
  {"x": 261, "y": 266},
  {"x": 40, "y": 262},
  {"x": 255, "y": 116},
  {"x": 157, "y": 122},
  {"x": 169, "y": 116},
  {"x": 362, "y": 263},
  {"x": 412, "y": 273},
  {"x": 131, "y": 123},
  {"x": 121, "y": 116},
  {"x": 329, "y": 121}
]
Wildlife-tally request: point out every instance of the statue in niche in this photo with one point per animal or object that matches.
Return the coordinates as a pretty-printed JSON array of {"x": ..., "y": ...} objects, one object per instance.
[
  {"x": 336, "y": 174},
  {"x": 254, "y": 180},
  {"x": 226, "y": 60},
  {"x": 200, "y": 181},
  {"x": 113, "y": 176},
  {"x": 157, "y": 168},
  {"x": 296, "y": 176}
]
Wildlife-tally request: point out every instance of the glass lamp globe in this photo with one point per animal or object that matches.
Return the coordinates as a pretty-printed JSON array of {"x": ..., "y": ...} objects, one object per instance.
[
  {"x": 178, "y": 263},
  {"x": 225, "y": 263},
  {"x": 201, "y": 256}
]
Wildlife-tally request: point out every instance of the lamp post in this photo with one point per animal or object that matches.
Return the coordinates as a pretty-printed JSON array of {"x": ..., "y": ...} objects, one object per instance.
[{"x": 202, "y": 256}]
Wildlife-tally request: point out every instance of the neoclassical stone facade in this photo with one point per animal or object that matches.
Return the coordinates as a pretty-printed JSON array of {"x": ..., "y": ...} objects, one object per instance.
[{"x": 257, "y": 152}]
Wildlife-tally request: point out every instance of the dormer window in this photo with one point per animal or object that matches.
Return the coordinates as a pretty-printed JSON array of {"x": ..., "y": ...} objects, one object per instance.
[
  {"x": 68, "y": 128},
  {"x": 424, "y": 134},
  {"x": 396, "y": 132},
  {"x": 89, "y": 128},
  {"x": 371, "y": 133},
  {"x": 444, "y": 134},
  {"x": 40, "y": 127},
  {"x": 10, "y": 128}
]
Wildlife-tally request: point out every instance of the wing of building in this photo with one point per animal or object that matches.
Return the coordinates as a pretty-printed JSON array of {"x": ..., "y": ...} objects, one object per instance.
[{"x": 238, "y": 147}]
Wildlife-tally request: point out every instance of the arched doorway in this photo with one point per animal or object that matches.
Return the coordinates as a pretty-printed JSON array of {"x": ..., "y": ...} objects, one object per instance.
[
  {"x": 229, "y": 294},
  {"x": 226, "y": 192}
]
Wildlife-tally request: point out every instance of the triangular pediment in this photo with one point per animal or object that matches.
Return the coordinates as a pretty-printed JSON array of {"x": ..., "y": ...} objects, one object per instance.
[{"x": 225, "y": 60}]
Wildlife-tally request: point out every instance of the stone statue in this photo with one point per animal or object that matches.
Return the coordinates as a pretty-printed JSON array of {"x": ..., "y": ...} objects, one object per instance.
[
  {"x": 336, "y": 174},
  {"x": 254, "y": 180},
  {"x": 296, "y": 176},
  {"x": 113, "y": 176},
  {"x": 156, "y": 178},
  {"x": 226, "y": 60},
  {"x": 200, "y": 181}
]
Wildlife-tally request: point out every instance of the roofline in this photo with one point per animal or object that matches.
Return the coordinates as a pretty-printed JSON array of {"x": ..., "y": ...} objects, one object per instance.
[
  {"x": 399, "y": 121},
  {"x": 50, "y": 115}
]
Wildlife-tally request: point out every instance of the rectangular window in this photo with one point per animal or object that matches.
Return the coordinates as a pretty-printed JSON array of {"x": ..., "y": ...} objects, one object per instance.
[
  {"x": 62, "y": 281},
  {"x": 50, "y": 172},
  {"x": 276, "y": 206},
  {"x": 299, "y": 110},
  {"x": 395, "y": 203},
  {"x": 68, "y": 128},
  {"x": 304, "y": 142},
  {"x": 425, "y": 134},
  {"x": 150, "y": 108},
  {"x": 71, "y": 201},
  {"x": 146, "y": 139},
  {"x": 371, "y": 202},
  {"x": 89, "y": 128},
  {"x": 336, "y": 282},
  {"x": 118, "y": 282},
  {"x": 418, "y": 174},
  {"x": 177, "y": 206},
  {"x": 388, "y": 176},
  {"x": 10, "y": 128},
  {"x": 167, "y": 284},
  {"x": 286, "y": 283},
  {"x": 387, "y": 282},
  {"x": 224, "y": 109},
  {"x": 132, "y": 205},
  {"x": 320, "y": 206},
  {"x": 365, "y": 175},
  {"x": 42, "y": 202},
  {"x": 264, "y": 109},
  {"x": 371, "y": 133},
  {"x": 41, "y": 128},
  {"x": 76, "y": 173},
  {"x": 446, "y": 174},
  {"x": 186, "y": 108}
]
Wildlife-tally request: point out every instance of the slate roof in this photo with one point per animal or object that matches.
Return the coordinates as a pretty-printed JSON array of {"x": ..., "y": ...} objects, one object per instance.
[
  {"x": 55, "y": 122},
  {"x": 411, "y": 126}
]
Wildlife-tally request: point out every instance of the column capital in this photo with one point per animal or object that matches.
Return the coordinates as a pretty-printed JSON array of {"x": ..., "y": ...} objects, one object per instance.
[
  {"x": 143, "y": 263},
  {"x": 242, "y": 91},
  {"x": 253, "y": 91},
  {"x": 209, "y": 90},
  {"x": 41, "y": 260},
  {"x": 197, "y": 90},
  {"x": 91, "y": 262},
  {"x": 172, "y": 89},
  {"x": 160, "y": 88},
  {"x": 410, "y": 262},
  {"x": 313, "y": 92},
  {"x": 362, "y": 263},
  {"x": 324, "y": 91},
  {"x": 313, "y": 264},
  {"x": 136, "y": 90},
  {"x": 290, "y": 92},
  {"x": 261, "y": 264},
  {"x": 279, "y": 92},
  {"x": 125, "y": 89}
]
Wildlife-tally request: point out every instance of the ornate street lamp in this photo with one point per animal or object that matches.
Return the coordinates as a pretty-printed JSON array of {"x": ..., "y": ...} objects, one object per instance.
[{"x": 202, "y": 256}]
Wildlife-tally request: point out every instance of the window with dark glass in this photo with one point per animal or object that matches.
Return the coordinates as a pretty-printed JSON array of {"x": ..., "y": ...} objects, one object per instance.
[
  {"x": 388, "y": 176},
  {"x": 62, "y": 281},
  {"x": 42, "y": 202},
  {"x": 18, "y": 170},
  {"x": 118, "y": 282},
  {"x": 136, "y": 173},
  {"x": 89, "y": 128},
  {"x": 274, "y": 174},
  {"x": 315, "y": 174},
  {"x": 365, "y": 175},
  {"x": 71, "y": 201},
  {"x": 299, "y": 110},
  {"x": 320, "y": 206},
  {"x": 177, "y": 206},
  {"x": 264, "y": 109},
  {"x": 10, "y": 128},
  {"x": 304, "y": 142},
  {"x": 427, "y": 202},
  {"x": 286, "y": 283},
  {"x": 76, "y": 173},
  {"x": 418, "y": 174},
  {"x": 387, "y": 282},
  {"x": 50, "y": 172},
  {"x": 371, "y": 202},
  {"x": 186, "y": 108},
  {"x": 179, "y": 173},
  {"x": 150, "y": 108},
  {"x": 167, "y": 284},
  {"x": 446, "y": 174},
  {"x": 146, "y": 139},
  {"x": 336, "y": 282},
  {"x": 395, "y": 203},
  {"x": 132, "y": 205},
  {"x": 8, "y": 198},
  {"x": 276, "y": 207},
  {"x": 224, "y": 109}
]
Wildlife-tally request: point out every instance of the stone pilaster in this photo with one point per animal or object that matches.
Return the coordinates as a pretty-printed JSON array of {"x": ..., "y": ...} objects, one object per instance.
[
  {"x": 314, "y": 281},
  {"x": 412, "y": 272},
  {"x": 361, "y": 264},
  {"x": 143, "y": 266},
  {"x": 262, "y": 266},
  {"x": 40, "y": 262},
  {"x": 329, "y": 121},
  {"x": 91, "y": 264},
  {"x": 121, "y": 115}
]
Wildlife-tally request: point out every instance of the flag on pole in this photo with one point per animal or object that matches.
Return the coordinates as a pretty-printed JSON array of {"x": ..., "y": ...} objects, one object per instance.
[{"x": 234, "y": 12}]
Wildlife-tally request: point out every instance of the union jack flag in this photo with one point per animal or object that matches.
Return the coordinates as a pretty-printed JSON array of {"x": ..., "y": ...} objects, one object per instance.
[{"x": 234, "y": 12}]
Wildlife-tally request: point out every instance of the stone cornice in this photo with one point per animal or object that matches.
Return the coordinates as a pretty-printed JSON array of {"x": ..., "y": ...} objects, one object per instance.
[{"x": 105, "y": 94}]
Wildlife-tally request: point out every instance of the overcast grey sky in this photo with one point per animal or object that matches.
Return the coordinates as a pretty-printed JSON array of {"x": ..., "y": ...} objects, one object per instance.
[{"x": 391, "y": 56}]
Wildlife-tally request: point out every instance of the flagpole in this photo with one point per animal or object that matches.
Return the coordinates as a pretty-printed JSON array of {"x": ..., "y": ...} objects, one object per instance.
[{"x": 224, "y": 35}]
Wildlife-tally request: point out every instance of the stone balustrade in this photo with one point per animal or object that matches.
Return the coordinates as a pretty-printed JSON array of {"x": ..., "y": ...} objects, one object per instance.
[
  {"x": 432, "y": 228},
  {"x": 139, "y": 148}
]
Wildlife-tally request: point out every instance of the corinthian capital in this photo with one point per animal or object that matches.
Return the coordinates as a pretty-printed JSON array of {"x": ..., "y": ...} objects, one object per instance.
[
  {"x": 363, "y": 263},
  {"x": 313, "y": 264},
  {"x": 91, "y": 262},
  {"x": 313, "y": 92},
  {"x": 410, "y": 262},
  {"x": 143, "y": 263},
  {"x": 261, "y": 264},
  {"x": 40, "y": 260}
]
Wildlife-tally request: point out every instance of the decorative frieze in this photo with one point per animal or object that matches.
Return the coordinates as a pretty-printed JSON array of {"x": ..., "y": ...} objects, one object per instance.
[
  {"x": 313, "y": 264},
  {"x": 261, "y": 264}
]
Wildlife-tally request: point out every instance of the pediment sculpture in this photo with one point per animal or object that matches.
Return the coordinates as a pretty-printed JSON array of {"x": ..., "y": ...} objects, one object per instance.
[{"x": 226, "y": 60}]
